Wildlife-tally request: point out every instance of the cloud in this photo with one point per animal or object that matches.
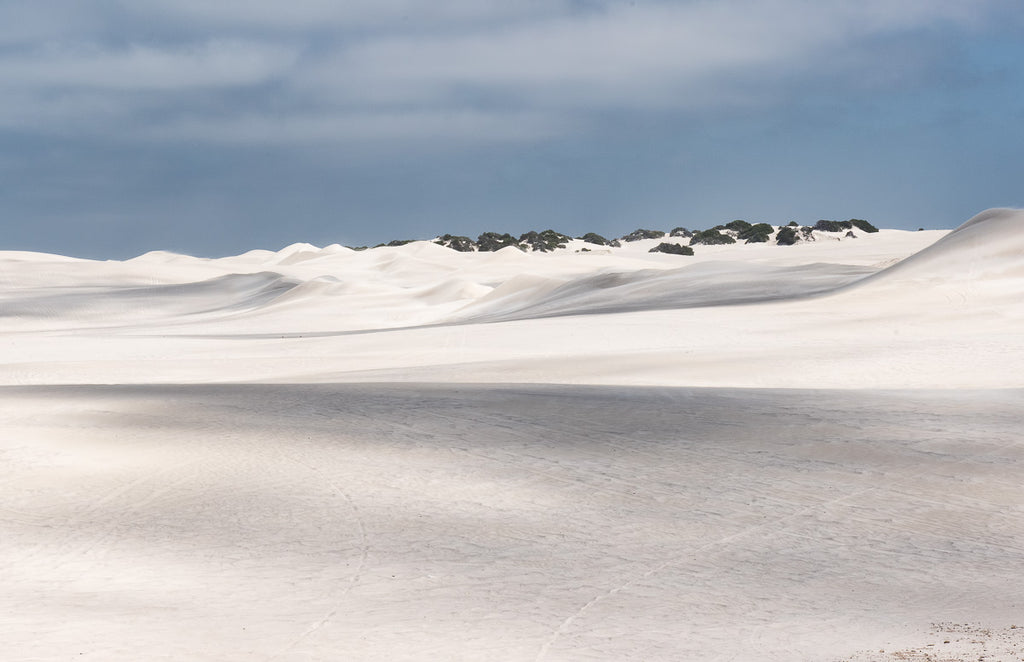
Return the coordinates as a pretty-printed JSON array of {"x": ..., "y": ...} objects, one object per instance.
[
  {"x": 234, "y": 71},
  {"x": 367, "y": 127},
  {"x": 352, "y": 14},
  {"x": 656, "y": 55},
  {"x": 215, "y": 64}
]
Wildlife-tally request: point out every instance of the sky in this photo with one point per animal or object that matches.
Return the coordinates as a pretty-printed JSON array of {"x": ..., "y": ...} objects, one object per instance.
[{"x": 212, "y": 128}]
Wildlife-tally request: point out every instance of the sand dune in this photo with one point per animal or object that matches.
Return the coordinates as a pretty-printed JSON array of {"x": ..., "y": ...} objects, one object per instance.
[
  {"x": 980, "y": 262},
  {"x": 827, "y": 314},
  {"x": 704, "y": 284},
  {"x": 989, "y": 245},
  {"x": 759, "y": 452},
  {"x": 77, "y": 307}
]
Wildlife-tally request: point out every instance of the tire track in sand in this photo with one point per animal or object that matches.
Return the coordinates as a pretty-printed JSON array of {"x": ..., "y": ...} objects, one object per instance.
[
  {"x": 354, "y": 579},
  {"x": 582, "y": 611}
]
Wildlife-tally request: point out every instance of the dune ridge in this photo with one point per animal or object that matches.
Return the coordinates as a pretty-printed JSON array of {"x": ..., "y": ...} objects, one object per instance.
[
  {"x": 887, "y": 309},
  {"x": 990, "y": 245}
]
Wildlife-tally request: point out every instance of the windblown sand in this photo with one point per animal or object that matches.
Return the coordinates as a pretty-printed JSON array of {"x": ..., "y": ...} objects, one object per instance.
[{"x": 757, "y": 453}]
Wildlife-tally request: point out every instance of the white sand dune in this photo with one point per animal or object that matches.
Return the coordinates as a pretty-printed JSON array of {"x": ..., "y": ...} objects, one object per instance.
[
  {"x": 978, "y": 264},
  {"x": 759, "y": 452},
  {"x": 805, "y": 316},
  {"x": 704, "y": 284}
]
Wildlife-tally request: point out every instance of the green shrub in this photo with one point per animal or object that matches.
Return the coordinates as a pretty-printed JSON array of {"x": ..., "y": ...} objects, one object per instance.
[
  {"x": 787, "y": 236},
  {"x": 457, "y": 243},
  {"x": 833, "y": 226},
  {"x": 756, "y": 234},
  {"x": 710, "y": 238},
  {"x": 492, "y": 241},
  {"x": 545, "y": 241},
  {"x": 594, "y": 238},
  {"x": 674, "y": 249},
  {"x": 737, "y": 226},
  {"x": 861, "y": 224},
  {"x": 637, "y": 235}
]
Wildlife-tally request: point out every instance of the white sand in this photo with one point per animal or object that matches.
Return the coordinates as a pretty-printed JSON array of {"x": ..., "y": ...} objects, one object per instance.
[{"x": 309, "y": 455}]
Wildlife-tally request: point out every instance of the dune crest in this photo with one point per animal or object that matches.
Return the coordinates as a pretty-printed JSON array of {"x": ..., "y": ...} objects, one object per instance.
[{"x": 989, "y": 245}]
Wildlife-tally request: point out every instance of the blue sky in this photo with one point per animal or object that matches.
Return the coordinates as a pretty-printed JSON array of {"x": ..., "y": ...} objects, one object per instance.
[{"x": 212, "y": 128}]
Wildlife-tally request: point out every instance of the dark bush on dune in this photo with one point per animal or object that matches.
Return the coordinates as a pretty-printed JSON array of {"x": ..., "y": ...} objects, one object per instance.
[
  {"x": 545, "y": 241},
  {"x": 861, "y": 224},
  {"x": 710, "y": 238},
  {"x": 833, "y": 226},
  {"x": 492, "y": 241},
  {"x": 674, "y": 249},
  {"x": 787, "y": 236},
  {"x": 756, "y": 234},
  {"x": 637, "y": 235},
  {"x": 594, "y": 238},
  {"x": 457, "y": 243},
  {"x": 737, "y": 226}
]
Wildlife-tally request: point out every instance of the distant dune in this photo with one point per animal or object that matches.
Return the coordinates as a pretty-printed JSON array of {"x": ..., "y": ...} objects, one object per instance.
[{"x": 844, "y": 308}]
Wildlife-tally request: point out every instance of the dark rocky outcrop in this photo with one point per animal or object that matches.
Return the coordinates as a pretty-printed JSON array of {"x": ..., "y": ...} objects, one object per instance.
[{"x": 680, "y": 232}]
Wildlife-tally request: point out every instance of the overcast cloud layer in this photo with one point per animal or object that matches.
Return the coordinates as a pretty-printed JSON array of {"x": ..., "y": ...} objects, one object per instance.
[{"x": 215, "y": 127}]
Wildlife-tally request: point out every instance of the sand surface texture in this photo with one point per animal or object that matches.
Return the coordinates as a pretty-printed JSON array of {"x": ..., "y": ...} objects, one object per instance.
[{"x": 813, "y": 452}]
